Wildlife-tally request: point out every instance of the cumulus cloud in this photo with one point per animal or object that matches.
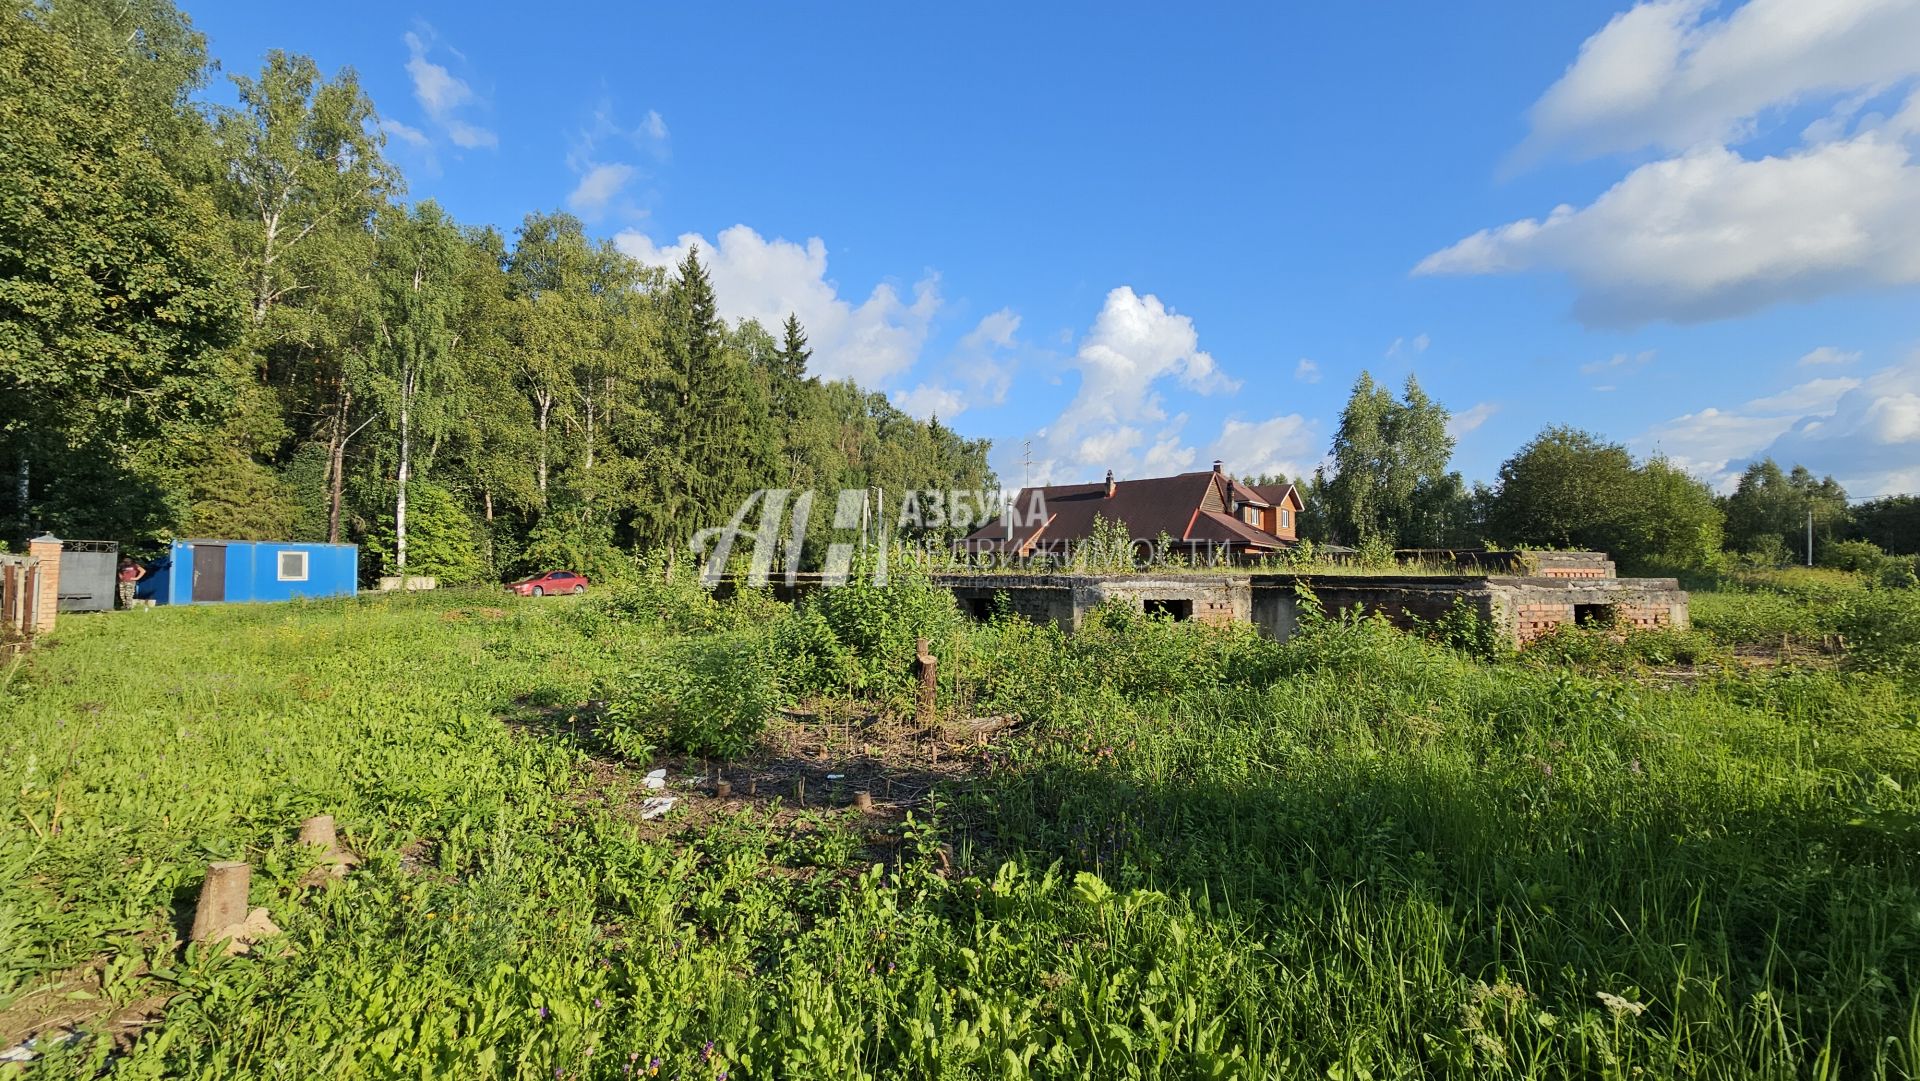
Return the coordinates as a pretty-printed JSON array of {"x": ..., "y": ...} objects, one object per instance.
[
  {"x": 1306, "y": 371},
  {"x": 1665, "y": 75},
  {"x": 978, "y": 372},
  {"x": 1461, "y": 423},
  {"x": 1284, "y": 444},
  {"x": 1827, "y": 354},
  {"x": 597, "y": 188},
  {"x": 766, "y": 279},
  {"x": 1711, "y": 234},
  {"x": 1135, "y": 345},
  {"x": 1865, "y": 431},
  {"x": 929, "y": 400},
  {"x": 1708, "y": 232},
  {"x": 442, "y": 94}
]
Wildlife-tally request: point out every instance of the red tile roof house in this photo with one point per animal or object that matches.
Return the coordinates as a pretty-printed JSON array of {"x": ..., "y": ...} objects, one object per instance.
[{"x": 1209, "y": 516}]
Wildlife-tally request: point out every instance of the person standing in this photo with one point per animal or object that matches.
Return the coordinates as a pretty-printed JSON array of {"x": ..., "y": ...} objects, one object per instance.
[{"x": 129, "y": 575}]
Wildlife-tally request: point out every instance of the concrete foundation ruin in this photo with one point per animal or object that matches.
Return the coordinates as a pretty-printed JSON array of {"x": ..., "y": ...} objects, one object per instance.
[{"x": 1552, "y": 589}]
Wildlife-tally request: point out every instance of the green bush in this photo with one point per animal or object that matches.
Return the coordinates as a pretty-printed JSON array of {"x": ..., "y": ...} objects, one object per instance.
[
  {"x": 707, "y": 696},
  {"x": 1882, "y": 631},
  {"x": 1757, "y": 619},
  {"x": 1900, "y": 572},
  {"x": 861, "y": 637},
  {"x": 1607, "y": 649},
  {"x": 441, "y": 541},
  {"x": 662, "y": 597},
  {"x": 1861, "y": 557}
]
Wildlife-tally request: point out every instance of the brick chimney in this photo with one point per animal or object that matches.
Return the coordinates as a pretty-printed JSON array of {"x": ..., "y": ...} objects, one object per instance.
[
  {"x": 1111, "y": 486},
  {"x": 46, "y": 549}
]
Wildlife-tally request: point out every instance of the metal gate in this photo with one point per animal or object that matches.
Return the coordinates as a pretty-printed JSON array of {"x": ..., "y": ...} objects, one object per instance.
[{"x": 87, "y": 575}]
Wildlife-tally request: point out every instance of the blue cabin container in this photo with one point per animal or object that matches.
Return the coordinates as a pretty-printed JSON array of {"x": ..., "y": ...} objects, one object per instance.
[{"x": 209, "y": 571}]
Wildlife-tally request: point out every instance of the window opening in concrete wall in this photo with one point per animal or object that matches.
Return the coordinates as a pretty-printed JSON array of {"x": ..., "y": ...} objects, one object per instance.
[
  {"x": 980, "y": 609},
  {"x": 1594, "y": 615},
  {"x": 1176, "y": 610}
]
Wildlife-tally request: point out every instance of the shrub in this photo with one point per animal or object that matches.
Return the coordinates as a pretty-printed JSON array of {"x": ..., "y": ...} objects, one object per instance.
[
  {"x": 1882, "y": 629},
  {"x": 1861, "y": 557},
  {"x": 871, "y": 633},
  {"x": 1900, "y": 572},
  {"x": 665, "y": 597},
  {"x": 707, "y": 696},
  {"x": 1606, "y": 649},
  {"x": 1751, "y": 619},
  {"x": 440, "y": 538}
]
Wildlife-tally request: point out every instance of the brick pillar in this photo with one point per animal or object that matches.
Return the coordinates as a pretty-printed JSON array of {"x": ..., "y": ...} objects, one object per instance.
[{"x": 46, "y": 549}]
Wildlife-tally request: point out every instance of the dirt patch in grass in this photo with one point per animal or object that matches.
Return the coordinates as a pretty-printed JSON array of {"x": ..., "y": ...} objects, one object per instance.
[
  {"x": 77, "y": 1001},
  {"x": 812, "y": 760}
]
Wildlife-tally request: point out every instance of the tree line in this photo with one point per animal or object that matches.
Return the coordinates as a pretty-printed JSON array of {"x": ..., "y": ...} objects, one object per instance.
[
  {"x": 1388, "y": 484},
  {"x": 227, "y": 321}
]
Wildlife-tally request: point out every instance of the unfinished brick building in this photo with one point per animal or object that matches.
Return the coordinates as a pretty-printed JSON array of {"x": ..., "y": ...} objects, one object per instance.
[{"x": 1548, "y": 590}]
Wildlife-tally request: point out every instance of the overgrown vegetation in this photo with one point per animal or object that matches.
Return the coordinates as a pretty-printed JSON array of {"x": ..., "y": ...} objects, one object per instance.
[{"x": 1357, "y": 853}]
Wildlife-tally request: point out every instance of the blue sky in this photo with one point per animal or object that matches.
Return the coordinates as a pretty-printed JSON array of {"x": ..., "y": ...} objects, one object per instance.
[{"x": 1141, "y": 239}]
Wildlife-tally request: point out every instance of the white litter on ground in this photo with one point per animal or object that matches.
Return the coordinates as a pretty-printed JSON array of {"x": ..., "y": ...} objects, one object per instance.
[
  {"x": 657, "y": 779},
  {"x": 657, "y": 806}
]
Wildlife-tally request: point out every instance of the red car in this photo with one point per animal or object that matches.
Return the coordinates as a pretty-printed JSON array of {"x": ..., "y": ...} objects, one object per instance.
[{"x": 551, "y": 582}]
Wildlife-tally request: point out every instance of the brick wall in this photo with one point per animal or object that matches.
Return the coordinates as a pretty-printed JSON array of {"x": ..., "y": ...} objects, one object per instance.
[
  {"x": 1645, "y": 617},
  {"x": 1218, "y": 613},
  {"x": 1532, "y": 619},
  {"x": 46, "y": 549}
]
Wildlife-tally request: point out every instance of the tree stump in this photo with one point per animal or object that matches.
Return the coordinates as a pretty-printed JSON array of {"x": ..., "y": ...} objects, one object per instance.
[
  {"x": 863, "y": 801},
  {"x": 335, "y": 861},
  {"x": 319, "y": 830},
  {"x": 223, "y": 900},
  {"x": 722, "y": 789},
  {"x": 924, "y": 713}
]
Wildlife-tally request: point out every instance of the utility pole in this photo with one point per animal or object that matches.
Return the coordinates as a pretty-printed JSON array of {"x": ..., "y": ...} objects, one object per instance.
[
  {"x": 1026, "y": 467},
  {"x": 1809, "y": 533}
]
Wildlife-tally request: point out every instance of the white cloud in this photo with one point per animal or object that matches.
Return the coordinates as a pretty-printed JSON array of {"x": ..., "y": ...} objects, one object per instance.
[
  {"x": 1306, "y": 371},
  {"x": 1711, "y": 234},
  {"x": 1285, "y": 444},
  {"x": 406, "y": 133},
  {"x": 442, "y": 94},
  {"x": 1856, "y": 429},
  {"x": 928, "y": 400},
  {"x": 597, "y": 188},
  {"x": 1134, "y": 345},
  {"x": 1664, "y": 75},
  {"x": 1869, "y": 438},
  {"x": 1462, "y": 423},
  {"x": 1813, "y": 396},
  {"x": 766, "y": 279},
  {"x": 982, "y": 366},
  {"x": 1418, "y": 345},
  {"x": 1627, "y": 361},
  {"x": 603, "y": 180},
  {"x": 1827, "y": 354}
]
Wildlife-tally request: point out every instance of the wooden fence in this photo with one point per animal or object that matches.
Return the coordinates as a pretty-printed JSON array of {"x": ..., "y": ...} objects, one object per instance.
[{"x": 21, "y": 596}]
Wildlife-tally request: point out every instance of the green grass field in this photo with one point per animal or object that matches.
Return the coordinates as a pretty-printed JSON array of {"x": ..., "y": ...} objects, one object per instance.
[{"x": 1356, "y": 855}]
